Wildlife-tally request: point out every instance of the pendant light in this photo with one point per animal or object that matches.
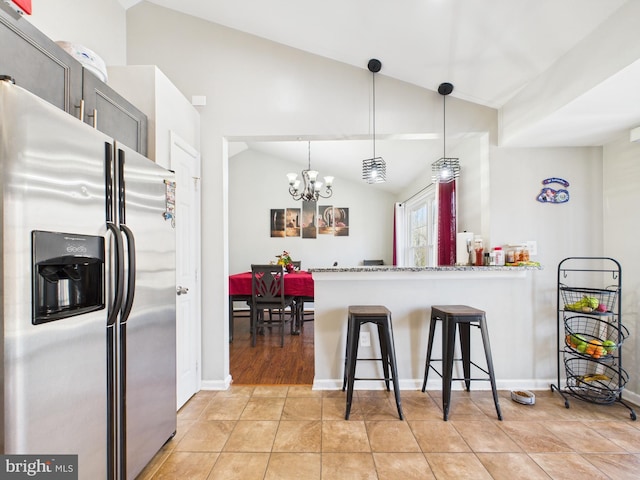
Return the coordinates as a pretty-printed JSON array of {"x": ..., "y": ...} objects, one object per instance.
[
  {"x": 374, "y": 170},
  {"x": 445, "y": 169}
]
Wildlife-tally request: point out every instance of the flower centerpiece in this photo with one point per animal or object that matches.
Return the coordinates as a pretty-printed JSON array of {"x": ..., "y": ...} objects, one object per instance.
[{"x": 284, "y": 259}]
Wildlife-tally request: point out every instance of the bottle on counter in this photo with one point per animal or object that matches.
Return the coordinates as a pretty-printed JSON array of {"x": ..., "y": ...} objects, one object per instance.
[
  {"x": 478, "y": 247},
  {"x": 499, "y": 256}
]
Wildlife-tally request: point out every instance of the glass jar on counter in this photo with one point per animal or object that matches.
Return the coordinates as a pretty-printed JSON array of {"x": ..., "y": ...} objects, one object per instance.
[{"x": 478, "y": 247}]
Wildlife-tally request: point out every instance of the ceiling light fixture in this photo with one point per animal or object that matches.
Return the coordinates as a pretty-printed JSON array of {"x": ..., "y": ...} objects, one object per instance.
[
  {"x": 445, "y": 169},
  {"x": 374, "y": 170},
  {"x": 312, "y": 189}
]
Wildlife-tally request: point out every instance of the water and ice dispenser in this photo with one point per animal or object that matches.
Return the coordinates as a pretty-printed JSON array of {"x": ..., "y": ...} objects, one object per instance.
[{"x": 68, "y": 275}]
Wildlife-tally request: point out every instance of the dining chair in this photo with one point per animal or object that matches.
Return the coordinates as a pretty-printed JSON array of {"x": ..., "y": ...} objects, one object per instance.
[
  {"x": 300, "y": 301},
  {"x": 267, "y": 293}
]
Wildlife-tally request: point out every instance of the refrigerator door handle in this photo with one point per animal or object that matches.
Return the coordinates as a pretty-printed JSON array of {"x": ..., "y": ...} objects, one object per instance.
[
  {"x": 131, "y": 280},
  {"x": 118, "y": 275}
]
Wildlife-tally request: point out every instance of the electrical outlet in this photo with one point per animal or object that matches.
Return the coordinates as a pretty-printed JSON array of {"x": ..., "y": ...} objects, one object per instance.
[
  {"x": 532, "y": 246},
  {"x": 365, "y": 339}
]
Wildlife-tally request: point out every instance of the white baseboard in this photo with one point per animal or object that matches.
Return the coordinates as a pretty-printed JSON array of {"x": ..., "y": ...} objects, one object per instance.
[{"x": 217, "y": 384}]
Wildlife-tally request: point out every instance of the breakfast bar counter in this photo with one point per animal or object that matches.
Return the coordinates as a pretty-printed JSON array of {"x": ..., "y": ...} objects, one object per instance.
[{"x": 521, "y": 329}]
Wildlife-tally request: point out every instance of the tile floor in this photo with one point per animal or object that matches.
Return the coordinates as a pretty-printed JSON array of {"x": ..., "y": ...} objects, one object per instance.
[{"x": 281, "y": 432}]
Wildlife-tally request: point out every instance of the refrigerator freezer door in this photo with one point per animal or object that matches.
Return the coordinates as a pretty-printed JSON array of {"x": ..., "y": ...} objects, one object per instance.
[
  {"x": 149, "y": 332},
  {"x": 54, "y": 385}
]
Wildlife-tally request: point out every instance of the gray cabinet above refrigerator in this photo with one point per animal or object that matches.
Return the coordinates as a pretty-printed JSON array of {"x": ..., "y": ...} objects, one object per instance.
[{"x": 38, "y": 64}]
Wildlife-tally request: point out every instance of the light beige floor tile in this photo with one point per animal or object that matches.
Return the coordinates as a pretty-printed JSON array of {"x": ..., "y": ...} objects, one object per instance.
[
  {"x": 391, "y": 436},
  {"x": 457, "y": 466},
  {"x": 304, "y": 391},
  {"x": 263, "y": 408},
  {"x": 194, "y": 407},
  {"x": 584, "y": 436},
  {"x": 302, "y": 408},
  {"x": 334, "y": 394},
  {"x": 270, "y": 391},
  {"x": 225, "y": 408},
  {"x": 235, "y": 466},
  {"x": 344, "y": 436},
  {"x": 181, "y": 431},
  {"x": 342, "y": 466},
  {"x": 567, "y": 466},
  {"x": 252, "y": 436},
  {"x": 511, "y": 466},
  {"x": 624, "y": 434},
  {"x": 378, "y": 407},
  {"x": 334, "y": 408},
  {"x": 405, "y": 466},
  {"x": 624, "y": 466},
  {"x": 154, "y": 465},
  {"x": 206, "y": 436},
  {"x": 485, "y": 436},
  {"x": 420, "y": 407},
  {"x": 534, "y": 437},
  {"x": 294, "y": 466},
  {"x": 237, "y": 391},
  {"x": 463, "y": 409},
  {"x": 191, "y": 465},
  {"x": 309, "y": 437},
  {"x": 438, "y": 436},
  {"x": 298, "y": 436}
]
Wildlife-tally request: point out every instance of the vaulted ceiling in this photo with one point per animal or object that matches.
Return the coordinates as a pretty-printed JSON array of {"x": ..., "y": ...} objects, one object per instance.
[{"x": 560, "y": 72}]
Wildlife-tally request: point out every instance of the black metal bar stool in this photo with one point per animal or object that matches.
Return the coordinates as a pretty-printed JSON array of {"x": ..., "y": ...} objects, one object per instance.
[
  {"x": 463, "y": 316},
  {"x": 381, "y": 316}
]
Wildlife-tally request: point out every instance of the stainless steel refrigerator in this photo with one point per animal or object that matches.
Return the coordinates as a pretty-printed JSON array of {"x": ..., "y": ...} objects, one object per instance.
[{"x": 88, "y": 292}]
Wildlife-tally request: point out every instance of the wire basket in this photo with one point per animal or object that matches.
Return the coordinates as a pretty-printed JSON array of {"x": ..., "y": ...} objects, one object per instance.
[
  {"x": 593, "y": 337},
  {"x": 589, "y": 300},
  {"x": 594, "y": 381}
]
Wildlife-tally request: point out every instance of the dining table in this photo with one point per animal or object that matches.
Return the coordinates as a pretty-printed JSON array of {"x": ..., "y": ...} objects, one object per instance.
[{"x": 298, "y": 283}]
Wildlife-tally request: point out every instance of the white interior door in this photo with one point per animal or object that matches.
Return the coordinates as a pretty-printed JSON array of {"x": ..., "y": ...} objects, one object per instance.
[{"x": 185, "y": 161}]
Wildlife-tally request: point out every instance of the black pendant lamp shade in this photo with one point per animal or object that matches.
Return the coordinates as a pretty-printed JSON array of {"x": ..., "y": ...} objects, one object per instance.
[
  {"x": 374, "y": 170},
  {"x": 445, "y": 169}
]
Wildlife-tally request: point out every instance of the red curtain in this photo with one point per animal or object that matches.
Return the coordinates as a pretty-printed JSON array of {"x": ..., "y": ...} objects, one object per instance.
[
  {"x": 395, "y": 260},
  {"x": 447, "y": 223}
]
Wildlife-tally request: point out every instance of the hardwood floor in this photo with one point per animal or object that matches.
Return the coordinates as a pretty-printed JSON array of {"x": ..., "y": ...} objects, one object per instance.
[{"x": 267, "y": 363}]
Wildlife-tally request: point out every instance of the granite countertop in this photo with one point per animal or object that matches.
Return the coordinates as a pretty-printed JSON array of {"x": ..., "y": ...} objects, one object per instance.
[{"x": 453, "y": 268}]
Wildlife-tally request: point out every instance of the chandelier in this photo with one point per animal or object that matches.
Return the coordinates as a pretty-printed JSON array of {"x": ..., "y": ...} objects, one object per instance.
[
  {"x": 445, "y": 169},
  {"x": 374, "y": 170},
  {"x": 312, "y": 189}
]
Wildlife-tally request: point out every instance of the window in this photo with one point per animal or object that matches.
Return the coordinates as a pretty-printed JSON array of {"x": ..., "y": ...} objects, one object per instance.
[{"x": 420, "y": 235}]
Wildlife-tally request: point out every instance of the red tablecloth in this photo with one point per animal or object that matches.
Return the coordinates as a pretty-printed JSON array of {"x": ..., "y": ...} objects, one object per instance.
[{"x": 298, "y": 284}]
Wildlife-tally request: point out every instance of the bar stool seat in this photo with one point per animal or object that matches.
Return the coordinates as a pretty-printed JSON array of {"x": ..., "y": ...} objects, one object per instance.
[
  {"x": 452, "y": 317},
  {"x": 381, "y": 316}
]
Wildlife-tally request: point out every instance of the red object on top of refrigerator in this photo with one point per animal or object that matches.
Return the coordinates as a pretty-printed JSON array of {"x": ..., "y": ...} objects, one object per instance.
[{"x": 24, "y": 5}]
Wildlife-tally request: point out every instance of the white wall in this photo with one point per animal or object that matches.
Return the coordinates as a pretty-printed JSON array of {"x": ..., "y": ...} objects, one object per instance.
[
  {"x": 167, "y": 109},
  {"x": 99, "y": 25},
  {"x": 258, "y": 183},
  {"x": 619, "y": 222}
]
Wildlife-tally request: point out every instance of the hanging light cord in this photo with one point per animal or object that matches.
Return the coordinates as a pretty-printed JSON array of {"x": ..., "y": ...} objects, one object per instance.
[
  {"x": 374, "y": 113},
  {"x": 444, "y": 126},
  {"x": 309, "y": 154}
]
